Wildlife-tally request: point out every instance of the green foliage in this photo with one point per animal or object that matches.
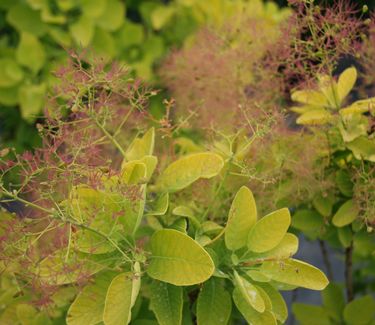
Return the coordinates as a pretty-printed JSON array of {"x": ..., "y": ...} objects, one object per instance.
[
  {"x": 176, "y": 260},
  {"x": 335, "y": 311}
]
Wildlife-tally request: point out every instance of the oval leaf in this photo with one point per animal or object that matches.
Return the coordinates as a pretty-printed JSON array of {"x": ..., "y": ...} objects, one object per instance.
[
  {"x": 187, "y": 170},
  {"x": 178, "y": 259},
  {"x": 250, "y": 293},
  {"x": 141, "y": 147},
  {"x": 268, "y": 232},
  {"x": 279, "y": 308},
  {"x": 250, "y": 314},
  {"x": 297, "y": 273},
  {"x": 346, "y": 214},
  {"x": 360, "y": 311},
  {"x": 242, "y": 216},
  {"x": 214, "y": 304},
  {"x": 315, "y": 117},
  {"x": 346, "y": 82},
  {"x": 118, "y": 300},
  {"x": 166, "y": 303},
  {"x": 88, "y": 307}
]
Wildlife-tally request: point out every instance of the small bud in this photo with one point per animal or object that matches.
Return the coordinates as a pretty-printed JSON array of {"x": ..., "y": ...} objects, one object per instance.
[
  {"x": 4, "y": 152},
  {"x": 367, "y": 21},
  {"x": 39, "y": 127},
  {"x": 370, "y": 229},
  {"x": 364, "y": 8}
]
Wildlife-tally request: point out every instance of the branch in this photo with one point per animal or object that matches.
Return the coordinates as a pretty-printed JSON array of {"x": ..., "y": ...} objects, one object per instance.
[
  {"x": 55, "y": 216},
  {"x": 326, "y": 260}
]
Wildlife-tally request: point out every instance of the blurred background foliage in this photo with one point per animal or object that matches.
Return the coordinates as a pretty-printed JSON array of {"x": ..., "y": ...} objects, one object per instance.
[{"x": 36, "y": 35}]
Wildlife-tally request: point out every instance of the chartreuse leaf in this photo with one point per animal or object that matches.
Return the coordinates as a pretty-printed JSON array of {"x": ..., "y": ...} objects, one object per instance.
[
  {"x": 25, "y": 19},
  {"x": 358, "y": 107},
  {"x": 242, "y": 216},
  {"x": 346, "y": 214},
  {"x": 178, "y": 259},
  {"x": 214, "y": 304},
  {"x": 360, "y": 311},
  {"x": 52, "y": 269},
  {"x": 249, "y": 292},
  {"x": 346, "y": 82},
  {"x": 143, "y": 146},
  {"x": 296, "y": 273},
  {"x": 309, "y": 97},
  {"x": 310, "y": 314},
  {"x": 314, "y": 117},
  {"x": 92, "y": 8},
  {"x": 333, "y": 301},
  {"x": 113, "y": 15},
  {"x": 133, "y": 172},
  {"x": 251, "y": 315},
  {"x": 279, "y": 308},
  {"x": 98, "y": 208},
  {"x": 188, "y": 169},
  {"x": 26, "y": 314},
  {"x": 285, "y": 249},
  {"x": 88, "y": 307},
  {"x": 160, "y": 206},
  {"x": 166, "y": 303},
  {"x": 363, "y": 148},
  {"x": 161, "y": 16},
  {"x": 82, "y": 30},
  {"x": 10, "y": 73},
  {"x": 121, "y": 296},
  {"x": 268, "y": 232},
  {"x": 30, "y": 52},
  {"x": 31, "y": 99}
]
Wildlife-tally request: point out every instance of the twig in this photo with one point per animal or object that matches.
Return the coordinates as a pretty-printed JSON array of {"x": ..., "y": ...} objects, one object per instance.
[{"x": 326, "y": 260}]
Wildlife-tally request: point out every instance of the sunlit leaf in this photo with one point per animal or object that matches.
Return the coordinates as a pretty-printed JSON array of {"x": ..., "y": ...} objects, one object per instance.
[
  {"x": 309, "y": 97},
  {"x": 143, "y": 146},
  {"x": 30, "y": 52},
  {"x": 187, "y": 170},
  {"x": 296, "y": 273},
  {"x": 117, "y": 308},
  {"x": 31, "y": 99},
  {"x": 82, "y": 30},
  {"x": 316, "y": 117},
  {"x": 113, "y": 15},
  {"x": 242, "y": 216},
  {"x": 249, "y": 292},
  {"x": 10, "y": 73},
  {"x": 178, "y": 259},
  {"x": 250, "y": 314},
  {"x": 268, "y": 232},
  {"x": 346, "y": 82},
  {"x": 25, "y": 19},
  {"x": 88, "y": 307}
]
